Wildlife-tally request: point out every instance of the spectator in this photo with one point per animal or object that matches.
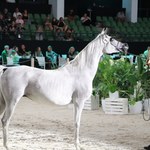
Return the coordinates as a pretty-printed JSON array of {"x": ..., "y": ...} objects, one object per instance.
[
  {"x": 71, "y": 16},
  {"x": 15, "y": 57},
  {"x": 16, "y": 13},
  {"x": 19, "y": 31},
  {"x": 72, "y": 53},
  {"x": 12, "y": 29},
  {"x": 6, "y": 17},
  {"x": 23, "y": 52},
  {"x": 8, "y": 21},
  {"x": 20, "y": 21},
  {"x": 48, "y": 24},
  {"x": 25, "y": 16},
  {"x": 86, "y": 20},
  {"x": 6, "y": 14},
  {"x": 51, "y": 57},
  {"x": 121, "y": 16},
  {"x": 61, "y": 24},
  {"x": 15, "y": 48},
  {"x": 54, "y": 23},
  {"x": 59, "y": 35},
  {"x": 5, "y": 54},
  {"x": 39, "y": 35},
  {"x": 69, "y": 35},
  {"x": 38, "y": 52},
  {"x": 6, "y": 33},
  {"x": 145, "y": 55},
  {"x": 2, "y": 22}
]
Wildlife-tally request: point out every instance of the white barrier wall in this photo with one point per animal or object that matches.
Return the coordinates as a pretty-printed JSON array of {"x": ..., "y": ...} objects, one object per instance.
[
  {"x": 11, "y": 1},
  {"x": 131, "y": 9},
  {"x": 57, "y": 8}
]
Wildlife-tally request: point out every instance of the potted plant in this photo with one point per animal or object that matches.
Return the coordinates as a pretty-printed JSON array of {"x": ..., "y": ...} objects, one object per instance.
[
  {"x": 141, "y": 89},
  {"x": 135, "y": 101},
  {"x": 115, "y": 75},
  {"x": 112, "y": 76},
  {"x": 144, "y": 76},
  {"x": 120, "y": 75}
]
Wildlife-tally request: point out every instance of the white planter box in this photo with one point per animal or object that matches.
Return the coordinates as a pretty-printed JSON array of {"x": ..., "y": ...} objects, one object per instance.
[
  {"x": 92, "y": 103},
  {"x": 115, "y": 106},
  {"x": 136, "y": 108}
]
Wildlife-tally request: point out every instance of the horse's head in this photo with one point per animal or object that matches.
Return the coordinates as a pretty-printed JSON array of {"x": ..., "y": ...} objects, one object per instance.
[{"x": 111, "y": 45}]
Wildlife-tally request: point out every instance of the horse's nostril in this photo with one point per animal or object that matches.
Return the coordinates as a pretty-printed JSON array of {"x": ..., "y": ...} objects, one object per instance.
[
  {"x": 126, "y": 44},
  {"x": 125, "y": 47}
]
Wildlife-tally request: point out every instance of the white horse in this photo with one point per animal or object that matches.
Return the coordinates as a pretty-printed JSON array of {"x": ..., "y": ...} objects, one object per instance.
[{"x": 70, "y": 82}]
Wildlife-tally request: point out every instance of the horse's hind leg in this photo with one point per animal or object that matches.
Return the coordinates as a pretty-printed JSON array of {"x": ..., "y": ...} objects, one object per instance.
[
  {"x": 10, "y": 107},
  {"x": 2, "y": 103}
]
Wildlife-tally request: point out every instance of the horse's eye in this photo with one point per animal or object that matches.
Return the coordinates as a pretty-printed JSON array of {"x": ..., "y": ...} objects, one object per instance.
[{"x": 111, "y": 39}]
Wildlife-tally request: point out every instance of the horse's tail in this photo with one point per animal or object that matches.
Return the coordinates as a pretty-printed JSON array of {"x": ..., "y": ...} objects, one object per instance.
[{"x": 2, "y": 101}]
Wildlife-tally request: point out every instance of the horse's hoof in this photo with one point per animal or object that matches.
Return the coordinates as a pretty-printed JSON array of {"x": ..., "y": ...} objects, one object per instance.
[
  {"x": 78, "y": 147},
  {"x": 147, "y": 147},
  {"x": 6, "y": 147}
]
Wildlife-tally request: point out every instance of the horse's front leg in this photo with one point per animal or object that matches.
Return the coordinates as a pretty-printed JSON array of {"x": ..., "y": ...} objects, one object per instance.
[{"x": 78, "y": 107}]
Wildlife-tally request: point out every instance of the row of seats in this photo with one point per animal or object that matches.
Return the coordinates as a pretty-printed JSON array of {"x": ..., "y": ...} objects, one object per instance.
[
  {"x": 85, "y": 33},
  {"x": 38, "y": 18},
  {"x": 139, "y": 31}
]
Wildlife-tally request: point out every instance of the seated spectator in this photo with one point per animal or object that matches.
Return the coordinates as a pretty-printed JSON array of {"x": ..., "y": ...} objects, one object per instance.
[
  {"x": 15, "y": 48},
  {"x": 15, "y": 57},
  {"x": 25, "y": 16},
  {"x": 16, "y": 13},
  {"x": 12, "y": 29},
  {"x": 54, "y": 23},
  {"x": 23, "y": 52},
  {"x": 51, "y": 57},
  {"x": 6, "y": 13},
  {"x": 61, "y": 24},
  {"x": 38, "y": 52},
  {"x": 145, "y": 56},
  {"x": 69, "y": 35},
  {"x": 2, "y": 22},
  {"x": 8, "y": 21},
  {"x": 71, "y": 16},
  {"x": 39, "y": 35},
  {"x": 59, "y": 35},
  {"x": 86, "y": 20},
  {"x": 7, "y": 17},
  {"x": 19, "y": 31},
  {"x": 5, "y": 53},
  {"x": 48, "y": 24},
  {"x": 121, "y": 16},
  {"x": 72, "y": 53},
  {"x": 20, "y": 21}
]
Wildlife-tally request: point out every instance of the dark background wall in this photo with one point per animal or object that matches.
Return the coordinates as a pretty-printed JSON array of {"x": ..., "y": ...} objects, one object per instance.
[
  {"x": 81, "y": 6},
  {"x": 32, "y": 7}
]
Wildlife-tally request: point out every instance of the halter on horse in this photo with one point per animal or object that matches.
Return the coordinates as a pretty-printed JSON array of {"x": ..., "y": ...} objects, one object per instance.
[{"x": 70, "y": 82}]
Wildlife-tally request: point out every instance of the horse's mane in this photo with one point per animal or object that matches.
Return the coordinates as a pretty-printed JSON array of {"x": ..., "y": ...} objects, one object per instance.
[{"x": 85, "y": 56}]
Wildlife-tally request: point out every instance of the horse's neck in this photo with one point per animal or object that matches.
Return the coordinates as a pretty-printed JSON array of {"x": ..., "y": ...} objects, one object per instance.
[{"x": 87, "y": 60}]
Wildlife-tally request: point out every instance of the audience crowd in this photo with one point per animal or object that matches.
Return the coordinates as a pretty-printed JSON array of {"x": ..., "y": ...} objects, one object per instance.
[
  {"x": 19, "y": 55},
  {"x": 13, "y": 25}
]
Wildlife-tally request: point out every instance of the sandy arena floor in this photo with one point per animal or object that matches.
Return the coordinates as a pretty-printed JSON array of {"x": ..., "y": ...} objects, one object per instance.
[{"x": 46, "y": 127}]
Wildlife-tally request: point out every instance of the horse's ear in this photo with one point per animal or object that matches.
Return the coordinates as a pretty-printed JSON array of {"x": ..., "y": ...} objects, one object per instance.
[{"x": 104, "y": 30}]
